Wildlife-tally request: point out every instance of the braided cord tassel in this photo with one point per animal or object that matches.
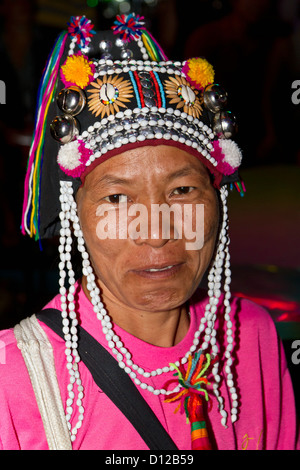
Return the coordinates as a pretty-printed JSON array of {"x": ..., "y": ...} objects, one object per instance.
[{"x": 191, "y": 397}]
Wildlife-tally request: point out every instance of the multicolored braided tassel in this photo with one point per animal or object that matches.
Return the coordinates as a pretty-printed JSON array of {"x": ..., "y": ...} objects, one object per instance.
[
  {"x": 193, "y": 380},
  {"x": 132, "y": 27}
]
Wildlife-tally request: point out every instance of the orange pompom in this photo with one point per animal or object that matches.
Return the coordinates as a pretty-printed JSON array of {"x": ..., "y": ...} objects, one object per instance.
[
  {"x": 198, "y": 72},
  {"x": 77, "y": 70}
]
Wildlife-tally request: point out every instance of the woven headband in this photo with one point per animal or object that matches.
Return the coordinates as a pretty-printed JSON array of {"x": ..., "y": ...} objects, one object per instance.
[{"x": 107, "y": 92}]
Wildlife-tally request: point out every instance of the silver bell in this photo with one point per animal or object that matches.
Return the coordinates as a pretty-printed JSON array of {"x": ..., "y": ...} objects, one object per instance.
[
  {"x": 64, "y": 129},
  {"x": 215, "y": 97},
  {"x": 71, "y": 100},
  {"x": 224, "y": 124}
]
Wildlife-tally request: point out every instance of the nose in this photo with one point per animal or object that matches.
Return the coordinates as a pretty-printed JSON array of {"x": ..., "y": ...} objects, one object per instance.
[{"x": 156, "y": 225}]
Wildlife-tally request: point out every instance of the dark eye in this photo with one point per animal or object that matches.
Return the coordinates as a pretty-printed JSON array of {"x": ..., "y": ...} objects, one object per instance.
[
  {"x": 116, "y": 198},
  {"x": 183, "y": 190}
]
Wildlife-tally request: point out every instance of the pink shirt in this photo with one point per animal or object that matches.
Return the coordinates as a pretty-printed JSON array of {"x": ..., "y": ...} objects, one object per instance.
[{"x": 267, "y": 417}]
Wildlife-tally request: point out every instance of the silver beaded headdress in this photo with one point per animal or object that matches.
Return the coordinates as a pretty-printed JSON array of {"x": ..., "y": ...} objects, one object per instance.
[{"x": 102, "y": 94}]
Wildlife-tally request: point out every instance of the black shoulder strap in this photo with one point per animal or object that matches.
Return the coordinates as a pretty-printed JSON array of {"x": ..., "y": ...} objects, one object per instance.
[{"x": 115, "y": 383}]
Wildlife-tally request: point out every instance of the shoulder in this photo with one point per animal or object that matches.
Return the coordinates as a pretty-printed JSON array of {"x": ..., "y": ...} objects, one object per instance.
[
  {"x": 13, "y": 372},
  {"x": 251, "y": 315},
  {"x": 247, "y": 316}
]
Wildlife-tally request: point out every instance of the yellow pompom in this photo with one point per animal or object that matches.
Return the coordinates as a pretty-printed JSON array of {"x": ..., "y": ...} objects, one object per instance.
[
  {"x": 199, "y": 72},
  {"x": 77, "y": 70}
]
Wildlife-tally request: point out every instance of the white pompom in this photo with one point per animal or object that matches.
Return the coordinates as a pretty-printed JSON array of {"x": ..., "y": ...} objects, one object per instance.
[
  {"x": 231, "y": 151},
  {"x": 69, "y": 156}
]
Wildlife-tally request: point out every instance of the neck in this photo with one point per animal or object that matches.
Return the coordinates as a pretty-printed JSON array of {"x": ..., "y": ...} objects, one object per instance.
[{"x": 160, "y": 328}]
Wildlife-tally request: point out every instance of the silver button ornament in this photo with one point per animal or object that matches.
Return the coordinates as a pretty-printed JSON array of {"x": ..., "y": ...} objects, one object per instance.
[
  {"x": 119, "y": 42},
  {"x": 215, "y": 97},
  {"x": 126, "y": 54},
  {"x": 224, "y": 124},
  {"x": 105, "y": 45},
  {"x": 64, "y": 129},
  {"x": 71, "y": 100}
]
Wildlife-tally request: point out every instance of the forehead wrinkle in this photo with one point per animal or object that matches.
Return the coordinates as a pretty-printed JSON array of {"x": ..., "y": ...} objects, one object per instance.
[{"x": 111, "y": 180}]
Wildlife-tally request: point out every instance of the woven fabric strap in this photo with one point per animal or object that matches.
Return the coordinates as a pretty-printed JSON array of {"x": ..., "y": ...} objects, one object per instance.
[{"x": 38, "y": 356}]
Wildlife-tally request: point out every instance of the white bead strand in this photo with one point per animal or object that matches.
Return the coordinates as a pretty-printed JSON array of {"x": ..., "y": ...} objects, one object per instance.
[
  {"x": 229, "y": 333},
  {"x": 68, "y": 305}
]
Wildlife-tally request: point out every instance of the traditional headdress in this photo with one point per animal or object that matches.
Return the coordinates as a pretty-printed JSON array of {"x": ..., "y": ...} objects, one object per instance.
[{"x": 103, "y": 93}]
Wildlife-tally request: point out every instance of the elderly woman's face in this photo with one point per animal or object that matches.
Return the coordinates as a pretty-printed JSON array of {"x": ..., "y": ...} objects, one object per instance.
[{"x": 143, "y": 268}]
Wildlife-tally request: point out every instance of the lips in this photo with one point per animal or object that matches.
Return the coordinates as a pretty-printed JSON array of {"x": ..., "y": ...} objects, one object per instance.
[
  {"x": 159, "y": 271},
  {"x": 152, "y": 270}
]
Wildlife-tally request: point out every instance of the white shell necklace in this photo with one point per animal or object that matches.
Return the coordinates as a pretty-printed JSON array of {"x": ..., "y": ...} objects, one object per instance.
[{"x": 123, "y": 356}]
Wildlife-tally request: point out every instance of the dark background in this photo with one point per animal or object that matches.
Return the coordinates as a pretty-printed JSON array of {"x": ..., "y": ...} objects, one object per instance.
[{"x": 254, "y": 46}]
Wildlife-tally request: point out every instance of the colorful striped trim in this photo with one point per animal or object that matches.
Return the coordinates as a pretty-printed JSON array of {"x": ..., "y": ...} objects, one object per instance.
[
  {"x": 154, "y": 50},
  {"x": 159, "y": 89},
  {"x": 135, "y": 88}
]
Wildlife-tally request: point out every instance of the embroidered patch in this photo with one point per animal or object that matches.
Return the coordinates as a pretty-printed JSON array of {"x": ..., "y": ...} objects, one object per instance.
[
  {"x": 109, "y": 94},
  {"x": 184, "y": 95}
]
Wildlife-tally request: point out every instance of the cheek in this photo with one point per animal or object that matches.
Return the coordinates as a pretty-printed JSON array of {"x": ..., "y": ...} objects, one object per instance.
[
  {"x": 211, "y": 220},
  {"x": 202, "y": 224},
  {"x": 104, "y": 248}
]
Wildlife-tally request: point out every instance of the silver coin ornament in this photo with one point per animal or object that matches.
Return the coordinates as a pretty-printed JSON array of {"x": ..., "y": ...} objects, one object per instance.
[
  {"x": 215, "y": 97},
  {"x": 64, "y": 129},
  {"x": 224, "y": 125},
  {"x": 71, "y": 100}
]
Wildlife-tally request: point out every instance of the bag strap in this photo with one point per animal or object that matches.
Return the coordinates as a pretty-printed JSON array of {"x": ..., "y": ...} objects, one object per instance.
[
  {"x": 37, "y": 353},
  {"x": 115, "y": 383}
]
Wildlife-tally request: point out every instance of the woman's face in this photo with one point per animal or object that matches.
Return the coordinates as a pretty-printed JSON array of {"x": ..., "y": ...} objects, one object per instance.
[{"x": 136, "y": 264}]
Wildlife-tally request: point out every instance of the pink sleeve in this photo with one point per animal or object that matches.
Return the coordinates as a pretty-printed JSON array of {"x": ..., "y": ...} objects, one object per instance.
[{"x": 269, "y": 394}]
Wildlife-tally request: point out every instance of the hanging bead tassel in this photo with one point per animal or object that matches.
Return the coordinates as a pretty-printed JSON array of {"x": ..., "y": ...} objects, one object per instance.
[
  {"x": 69, "y": 317},
  {"x": 191, "y": 397}
]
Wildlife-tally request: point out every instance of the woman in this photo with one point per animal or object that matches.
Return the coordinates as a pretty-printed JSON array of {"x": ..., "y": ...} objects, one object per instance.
[{"x": 149, "y": 135}]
